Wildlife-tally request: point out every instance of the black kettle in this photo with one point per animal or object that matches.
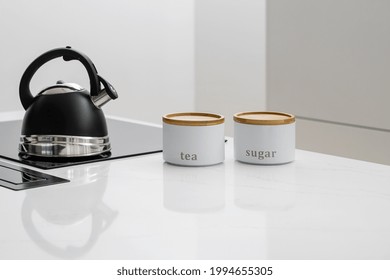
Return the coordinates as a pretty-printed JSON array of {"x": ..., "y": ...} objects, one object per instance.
[{"x": 65, "y": 120}]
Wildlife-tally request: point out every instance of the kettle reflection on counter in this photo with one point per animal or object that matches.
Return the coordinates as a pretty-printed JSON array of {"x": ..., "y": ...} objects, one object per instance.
[{"x": 66, "y": 221}]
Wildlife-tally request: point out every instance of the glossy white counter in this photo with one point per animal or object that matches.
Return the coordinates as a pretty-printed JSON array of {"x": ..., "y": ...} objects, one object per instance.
[{"x": 318, "y": 207}]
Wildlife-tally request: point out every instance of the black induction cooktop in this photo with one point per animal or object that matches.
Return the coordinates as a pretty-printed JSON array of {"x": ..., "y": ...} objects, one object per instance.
[{"x": 127, "y": 139}]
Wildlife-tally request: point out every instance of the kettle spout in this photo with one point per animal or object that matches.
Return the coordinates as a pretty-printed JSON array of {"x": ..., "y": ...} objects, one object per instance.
[{"x": 105, "y": 95}]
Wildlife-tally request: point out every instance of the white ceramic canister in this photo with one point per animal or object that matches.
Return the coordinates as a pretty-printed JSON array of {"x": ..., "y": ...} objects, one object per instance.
[
  {"x": 264, "y": 137},
  {"x": 193, "y": 138}
]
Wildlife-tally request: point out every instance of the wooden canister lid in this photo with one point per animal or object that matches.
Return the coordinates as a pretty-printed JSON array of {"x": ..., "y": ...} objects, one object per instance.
[
  {"x": 193, "y": 119},
  {"x": 264, "y": 118}
]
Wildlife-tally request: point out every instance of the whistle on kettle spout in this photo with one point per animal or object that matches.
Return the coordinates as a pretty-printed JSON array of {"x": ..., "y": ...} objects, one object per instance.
[{"x": 105, "y": 95}]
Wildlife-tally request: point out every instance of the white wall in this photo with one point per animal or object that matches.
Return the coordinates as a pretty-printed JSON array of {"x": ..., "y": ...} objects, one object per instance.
[
  {"x": 157, "y": 53},
  {"x": 145, "y": 48},
  {"x": 328, "y": 62},
  {"x": 229, "y": 57}
]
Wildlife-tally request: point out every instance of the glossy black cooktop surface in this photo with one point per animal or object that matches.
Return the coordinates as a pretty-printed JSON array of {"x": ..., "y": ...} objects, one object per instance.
[{"x": 127, "y": 139}]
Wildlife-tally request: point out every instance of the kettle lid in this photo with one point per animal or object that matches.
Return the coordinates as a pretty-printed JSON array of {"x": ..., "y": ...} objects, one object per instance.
[{"x": 61, "y": 87}]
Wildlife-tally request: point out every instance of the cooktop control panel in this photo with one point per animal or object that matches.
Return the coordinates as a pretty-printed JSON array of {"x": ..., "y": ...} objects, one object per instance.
[{"x": 19, "y": 178}]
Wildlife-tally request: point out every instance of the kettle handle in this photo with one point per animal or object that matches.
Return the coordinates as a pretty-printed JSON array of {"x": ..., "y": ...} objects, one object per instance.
[{"x": 68, "y": 54}]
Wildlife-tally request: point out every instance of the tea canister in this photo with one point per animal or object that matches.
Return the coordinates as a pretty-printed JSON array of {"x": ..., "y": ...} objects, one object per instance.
[
  {"x": 193, "y": 138},
  {"x": 264, "y": 137}
]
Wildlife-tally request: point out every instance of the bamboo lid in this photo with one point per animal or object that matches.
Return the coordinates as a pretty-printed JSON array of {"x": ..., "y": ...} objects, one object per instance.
[
  {"x": 264, "y": 118},
  {"x": 193, "y": 119}
]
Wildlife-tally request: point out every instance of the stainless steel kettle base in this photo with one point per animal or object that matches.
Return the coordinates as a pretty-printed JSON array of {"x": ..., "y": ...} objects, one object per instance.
[
  {"x": 63, "y": 146},
  {"x": 127, "y": 139}
]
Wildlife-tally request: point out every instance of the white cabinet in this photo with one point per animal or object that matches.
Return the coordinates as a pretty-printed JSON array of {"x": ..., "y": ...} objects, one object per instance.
[{"x": 328, "y": 62}]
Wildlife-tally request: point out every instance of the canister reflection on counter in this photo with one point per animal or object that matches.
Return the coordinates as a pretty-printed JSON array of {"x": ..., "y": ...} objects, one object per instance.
[
  {"x": 194, "y": 189},
  {"x": 264, "y": 188},
  {"x": 66, "y": 221}
]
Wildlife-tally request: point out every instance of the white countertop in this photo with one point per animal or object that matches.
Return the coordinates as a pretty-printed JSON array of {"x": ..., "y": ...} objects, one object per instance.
[{"x": 318, "y": 207}]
